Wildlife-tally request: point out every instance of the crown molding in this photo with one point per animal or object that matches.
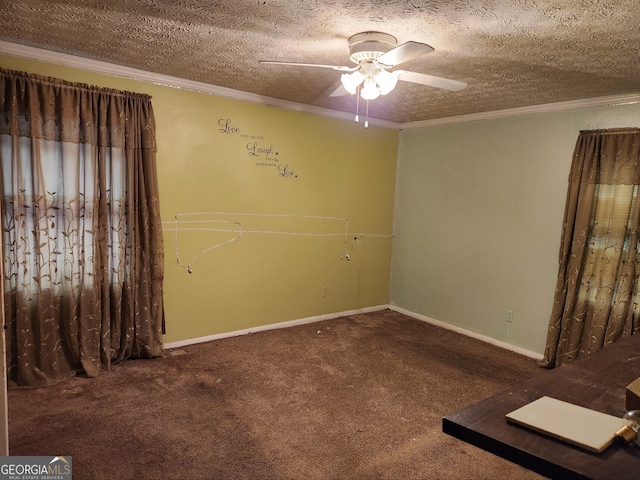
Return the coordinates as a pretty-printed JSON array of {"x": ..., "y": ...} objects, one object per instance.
[
  {"x": 624, "y": 99},
  {"x": 47, "y": 56},
  {"x": 97, "y": 66}
]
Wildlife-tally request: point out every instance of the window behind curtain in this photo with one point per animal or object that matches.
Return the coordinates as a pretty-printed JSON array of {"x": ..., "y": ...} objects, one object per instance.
[{"x": 60, "y": 197}]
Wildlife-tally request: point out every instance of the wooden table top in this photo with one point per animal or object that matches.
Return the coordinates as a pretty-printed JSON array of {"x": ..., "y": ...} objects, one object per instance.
[{"x": 597, "y": 382}]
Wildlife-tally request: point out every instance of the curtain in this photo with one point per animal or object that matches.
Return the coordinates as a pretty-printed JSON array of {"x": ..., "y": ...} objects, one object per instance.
[
  {"x": 82, "y": 238},
  {"x": 596, "y": 296}
]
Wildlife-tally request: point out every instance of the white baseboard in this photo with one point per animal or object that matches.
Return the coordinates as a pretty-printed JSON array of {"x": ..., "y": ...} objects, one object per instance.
[
  {"x": 329, "y": 316},
  {"x": 468, "y": 333},
  {"x": 273, "y": 326}
]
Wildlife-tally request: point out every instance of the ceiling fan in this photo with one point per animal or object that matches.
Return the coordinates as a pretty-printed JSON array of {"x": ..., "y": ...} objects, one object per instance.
[{"x": 374, "y": 54}]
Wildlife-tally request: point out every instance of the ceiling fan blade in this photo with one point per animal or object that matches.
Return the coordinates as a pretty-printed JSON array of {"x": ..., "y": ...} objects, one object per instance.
[
  {"x": 333, "y": 67},
  {"x": 430, "y": 80},
  {"x": 339, "y": 92},
  {"x": 402, "y": 53}
]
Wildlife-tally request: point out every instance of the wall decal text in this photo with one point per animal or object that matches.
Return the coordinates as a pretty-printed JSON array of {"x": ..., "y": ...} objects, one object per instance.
[{"x": 264, "y": 153}]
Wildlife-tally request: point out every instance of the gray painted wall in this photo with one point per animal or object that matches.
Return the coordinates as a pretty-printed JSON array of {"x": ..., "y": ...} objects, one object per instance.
[{"x": 479, "y": 208}]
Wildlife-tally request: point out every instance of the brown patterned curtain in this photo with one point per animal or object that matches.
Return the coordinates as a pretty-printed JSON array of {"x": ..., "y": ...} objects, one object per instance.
[
  {"x": 82, "y": 238},
  {"x": 596, "y": 298}
]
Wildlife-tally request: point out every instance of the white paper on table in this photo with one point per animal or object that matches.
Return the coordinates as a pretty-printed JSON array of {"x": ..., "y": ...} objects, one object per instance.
[{"x": 580, "y": 426}]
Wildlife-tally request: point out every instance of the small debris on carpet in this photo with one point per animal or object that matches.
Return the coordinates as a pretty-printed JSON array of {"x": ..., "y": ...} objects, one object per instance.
[{"x": 177, "y": 352}]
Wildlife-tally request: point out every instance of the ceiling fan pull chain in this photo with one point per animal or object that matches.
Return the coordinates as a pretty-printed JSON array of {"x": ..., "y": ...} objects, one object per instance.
[
  {"x": 357, "y": 103},
  {"x": 366, "y": 119}
]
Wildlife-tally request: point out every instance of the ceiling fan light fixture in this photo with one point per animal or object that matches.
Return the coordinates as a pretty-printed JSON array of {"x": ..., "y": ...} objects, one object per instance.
[
  {"x": 370, "y": 91},
  {"x": 350, "y": 81},
  {"x": 386, "y": 81}
]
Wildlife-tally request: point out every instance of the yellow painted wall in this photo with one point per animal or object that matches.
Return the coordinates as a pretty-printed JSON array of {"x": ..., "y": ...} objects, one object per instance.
[{"x": 306, "y": 166}]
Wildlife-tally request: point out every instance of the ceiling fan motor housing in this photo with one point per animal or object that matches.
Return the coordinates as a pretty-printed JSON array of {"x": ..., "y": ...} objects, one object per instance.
[{"x": 370, "y": 45}]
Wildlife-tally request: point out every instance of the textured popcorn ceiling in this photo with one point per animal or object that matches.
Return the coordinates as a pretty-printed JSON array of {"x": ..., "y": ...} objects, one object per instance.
[{"x": 512, "y": 53}]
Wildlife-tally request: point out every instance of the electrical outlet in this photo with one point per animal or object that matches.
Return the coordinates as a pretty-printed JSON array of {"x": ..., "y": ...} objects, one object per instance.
[{"x": 508, "y": 316}]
